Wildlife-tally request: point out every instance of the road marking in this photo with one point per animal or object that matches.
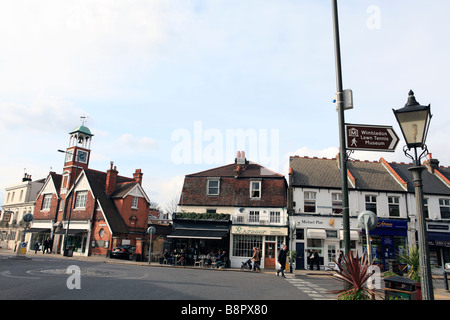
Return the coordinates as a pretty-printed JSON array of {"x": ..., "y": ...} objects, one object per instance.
[
  {"x": 8, "y": 274},
  {"x": 311, "y": 289}
]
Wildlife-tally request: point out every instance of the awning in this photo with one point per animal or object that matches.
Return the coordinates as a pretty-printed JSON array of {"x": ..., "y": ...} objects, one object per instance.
[
  {"x": 71, "y": 231},
  {"x": 316, "y": 234},
  {"x": 198, "y": 234},
  {"x": 354, "y": 235},
  {"x": 439, "y": 239},
  {"x": 37, "y": 230}
]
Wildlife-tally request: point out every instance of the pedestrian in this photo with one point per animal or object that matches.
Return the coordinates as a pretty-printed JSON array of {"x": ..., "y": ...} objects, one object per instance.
[
  {"x": 36, "y": 247},
  {"x": 256, "y": 259},
  {"x": 45, "y": 246},
  {"x": 316, "y": 259},
  {"x": 282, "y": 261},
  {"x": 311, "y": 259}
]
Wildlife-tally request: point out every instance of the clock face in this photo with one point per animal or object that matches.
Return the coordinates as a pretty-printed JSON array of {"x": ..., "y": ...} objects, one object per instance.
[
  {"x": 69, "y": 156},
  {"x": 82, "y": 156}
]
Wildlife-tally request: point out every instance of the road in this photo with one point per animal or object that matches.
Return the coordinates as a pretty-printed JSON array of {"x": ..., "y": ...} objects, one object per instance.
[{"x": 46, "y": 277}]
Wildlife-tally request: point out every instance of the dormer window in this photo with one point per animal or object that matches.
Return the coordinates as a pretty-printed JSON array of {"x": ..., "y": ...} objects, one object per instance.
[
  {"x": 255, "y": 189},
  {"x": 213, "y": 187}
]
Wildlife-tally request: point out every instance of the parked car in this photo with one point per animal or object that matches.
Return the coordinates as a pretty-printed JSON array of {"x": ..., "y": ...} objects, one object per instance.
[{"x": 123, "y": 252}]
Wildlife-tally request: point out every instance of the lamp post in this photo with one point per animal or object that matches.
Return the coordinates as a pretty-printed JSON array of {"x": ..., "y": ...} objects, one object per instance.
[
  {"x": 414, "y": 120},
  {"x": 66, "y": 236}
]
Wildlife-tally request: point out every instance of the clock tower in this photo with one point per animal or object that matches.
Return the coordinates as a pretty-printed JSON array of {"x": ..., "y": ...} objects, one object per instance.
[{"x": 77, "y": 155}]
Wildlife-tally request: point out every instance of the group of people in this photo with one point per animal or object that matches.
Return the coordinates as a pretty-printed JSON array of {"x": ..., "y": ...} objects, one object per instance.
[
  {"x": 46, "y": 246},
  {"x": 179, "y": 257}
]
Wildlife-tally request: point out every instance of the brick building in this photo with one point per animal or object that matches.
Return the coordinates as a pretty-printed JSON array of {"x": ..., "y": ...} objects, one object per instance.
[
  {"x": 90, "y": 211},
  {"x": 255, "y": 199}
]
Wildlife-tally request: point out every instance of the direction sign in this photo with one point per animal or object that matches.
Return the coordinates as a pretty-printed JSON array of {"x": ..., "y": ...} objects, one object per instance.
[{"x": 370, "y": 137}]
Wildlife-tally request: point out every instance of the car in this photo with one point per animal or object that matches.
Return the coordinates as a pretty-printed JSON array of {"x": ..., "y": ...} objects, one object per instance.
[{"x": 123, "y": 252}]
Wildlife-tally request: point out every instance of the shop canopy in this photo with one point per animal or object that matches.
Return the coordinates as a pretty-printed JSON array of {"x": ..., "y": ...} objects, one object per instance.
[{"x": 198, "y": 234}]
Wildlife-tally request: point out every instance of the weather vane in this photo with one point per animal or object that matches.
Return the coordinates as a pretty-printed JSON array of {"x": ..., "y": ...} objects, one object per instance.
[{"x": 83, "y": 120}]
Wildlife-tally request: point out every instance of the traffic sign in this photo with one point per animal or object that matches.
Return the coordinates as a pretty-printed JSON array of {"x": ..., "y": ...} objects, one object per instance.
[{"x": 370, "y": 137}]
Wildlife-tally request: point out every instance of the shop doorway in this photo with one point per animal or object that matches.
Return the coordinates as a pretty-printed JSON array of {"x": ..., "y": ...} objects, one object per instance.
[
  {"x": 269, "y": 255},
  {"x": 300, "y": 261}
]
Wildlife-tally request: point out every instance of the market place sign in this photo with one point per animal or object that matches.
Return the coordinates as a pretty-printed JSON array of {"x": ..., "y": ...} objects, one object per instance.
[{"x": 259, "y": 231}]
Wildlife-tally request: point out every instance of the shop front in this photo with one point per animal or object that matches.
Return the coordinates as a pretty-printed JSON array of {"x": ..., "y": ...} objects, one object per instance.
[
  {"x": 198, "y": 237},
  {"x": 324, "y": 236},
  {"x": 439, "y": 243},
  {"x": 387, "y": 241},
  {"x": 270, "y": 239}
]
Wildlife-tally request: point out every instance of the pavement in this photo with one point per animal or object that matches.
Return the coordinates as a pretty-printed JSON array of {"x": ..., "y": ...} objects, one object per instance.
[{"x": 438, "y": 274}]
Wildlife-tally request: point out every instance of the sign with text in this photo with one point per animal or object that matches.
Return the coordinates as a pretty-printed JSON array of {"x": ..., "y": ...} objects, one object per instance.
[{"x": 370, "y": 137}]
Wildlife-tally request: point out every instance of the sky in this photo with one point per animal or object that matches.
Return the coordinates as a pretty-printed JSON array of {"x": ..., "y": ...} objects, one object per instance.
[{"x": 174, "y": 87}]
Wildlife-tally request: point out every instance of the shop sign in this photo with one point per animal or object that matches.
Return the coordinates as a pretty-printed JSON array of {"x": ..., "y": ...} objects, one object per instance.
[
  {"x": 259, "y": 231},
  {"x": 438, "y": 227},
  {"x": 324, "y": 222},
  {"x": 384, "y": 223}
]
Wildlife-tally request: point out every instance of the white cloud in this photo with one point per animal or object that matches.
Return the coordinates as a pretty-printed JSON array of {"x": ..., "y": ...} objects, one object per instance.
[{"x": 131, "y": 142}]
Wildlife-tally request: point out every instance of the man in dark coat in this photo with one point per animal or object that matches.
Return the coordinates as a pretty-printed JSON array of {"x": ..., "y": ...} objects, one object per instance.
[{"x": 282, "y": 261}]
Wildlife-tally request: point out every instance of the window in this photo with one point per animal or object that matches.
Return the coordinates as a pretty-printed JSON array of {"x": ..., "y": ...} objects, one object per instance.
[
  {"x": 444, "y": 205},
  {"x": 255, "y": 189},
  {"x": 336, "y": 202},
  {"x": 134, "y": 202},
  {"x": 253, "y": 216},
  {"x": 394, "y": 207},
  {"x": 211, "y": 210},
  {"x": 371, "y": 203},
  {"x": 46, "y": 202},
  {"x": 310, "y": 201},
  {"x": 81, "y": 199},
  {"x": 425, "y": 207},
  {"x": 243, "y": 245},
  {"x": 275, "y": 216},
  {"x": 213, "y": 187}
]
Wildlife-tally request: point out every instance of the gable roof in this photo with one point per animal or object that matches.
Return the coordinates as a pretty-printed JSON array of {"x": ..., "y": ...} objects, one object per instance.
[
  {"x": 97, "y": 182},
  {"x": 234, "y": 187},
  {"x": 51, "y": 178},
  {"x": 251, "y": 170},
  {"x": 365, "y": 175},
  {"x": 325, "y": 173}
]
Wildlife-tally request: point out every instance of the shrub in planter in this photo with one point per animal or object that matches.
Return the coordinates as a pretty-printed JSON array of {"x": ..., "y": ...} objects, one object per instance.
[{"x": 353, "y": 271}]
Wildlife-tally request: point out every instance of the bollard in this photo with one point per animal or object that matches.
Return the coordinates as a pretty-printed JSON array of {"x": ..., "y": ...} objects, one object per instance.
[{"x": 445, "y": 280}]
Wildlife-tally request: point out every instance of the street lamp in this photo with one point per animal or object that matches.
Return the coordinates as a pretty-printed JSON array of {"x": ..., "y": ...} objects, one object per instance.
[
  {"x": 414, "y": 120},
  {"x": 66, "y": 236}
]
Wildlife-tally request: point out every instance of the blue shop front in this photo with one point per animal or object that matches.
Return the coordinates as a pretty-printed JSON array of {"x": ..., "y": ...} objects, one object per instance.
[{"x": 387, "y": 241}]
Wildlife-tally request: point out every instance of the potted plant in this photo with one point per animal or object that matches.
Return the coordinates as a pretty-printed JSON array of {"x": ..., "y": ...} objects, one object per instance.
[
  {"x": 412, "y": 267},
  {"x": 353, "y": 271}
]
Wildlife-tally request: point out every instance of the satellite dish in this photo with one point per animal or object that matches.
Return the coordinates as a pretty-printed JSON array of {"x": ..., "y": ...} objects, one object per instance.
[
  {"x": 241, "y": 210},
  {"x": 367, "y": 220},
  {"x": 28, "y": 217}
]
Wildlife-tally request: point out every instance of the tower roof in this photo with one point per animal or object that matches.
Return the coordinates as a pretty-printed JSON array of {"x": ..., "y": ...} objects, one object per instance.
[{"x": 82, "y": 129}]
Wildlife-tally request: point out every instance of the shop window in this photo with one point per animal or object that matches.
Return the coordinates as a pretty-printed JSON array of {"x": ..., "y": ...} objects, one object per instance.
[
  {"x": 243, "y": 245},
  {"x": 371, "y": 203},
  {"x": 394, "y": 207},
  {"x": 300, "y": 234},
  {"x": 310, "y": 202},
  {"x": 336, "y": 202},
  {"x": 444, "y": 205},
  {"x": 255, "y": 189},
  {"x": 213, "y": 187}
]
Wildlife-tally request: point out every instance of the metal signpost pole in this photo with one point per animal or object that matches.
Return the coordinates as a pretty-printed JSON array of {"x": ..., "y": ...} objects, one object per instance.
[{"x": 343, "y": 150}]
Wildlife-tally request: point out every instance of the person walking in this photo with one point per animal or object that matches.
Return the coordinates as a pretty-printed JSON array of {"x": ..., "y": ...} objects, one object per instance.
[
  {"x": 282, "y": 261},
  {"x": 256, "y": 259}
]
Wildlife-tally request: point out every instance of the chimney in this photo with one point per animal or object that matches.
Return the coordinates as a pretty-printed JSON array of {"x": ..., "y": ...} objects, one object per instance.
[
  {"x": 137, "y": 176},
  {"x": 433, "y": 164},
  {"x": 111, "y": 180},
  {"x": 241, "y": 163},
  {"x": 27, "y": 177}
]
